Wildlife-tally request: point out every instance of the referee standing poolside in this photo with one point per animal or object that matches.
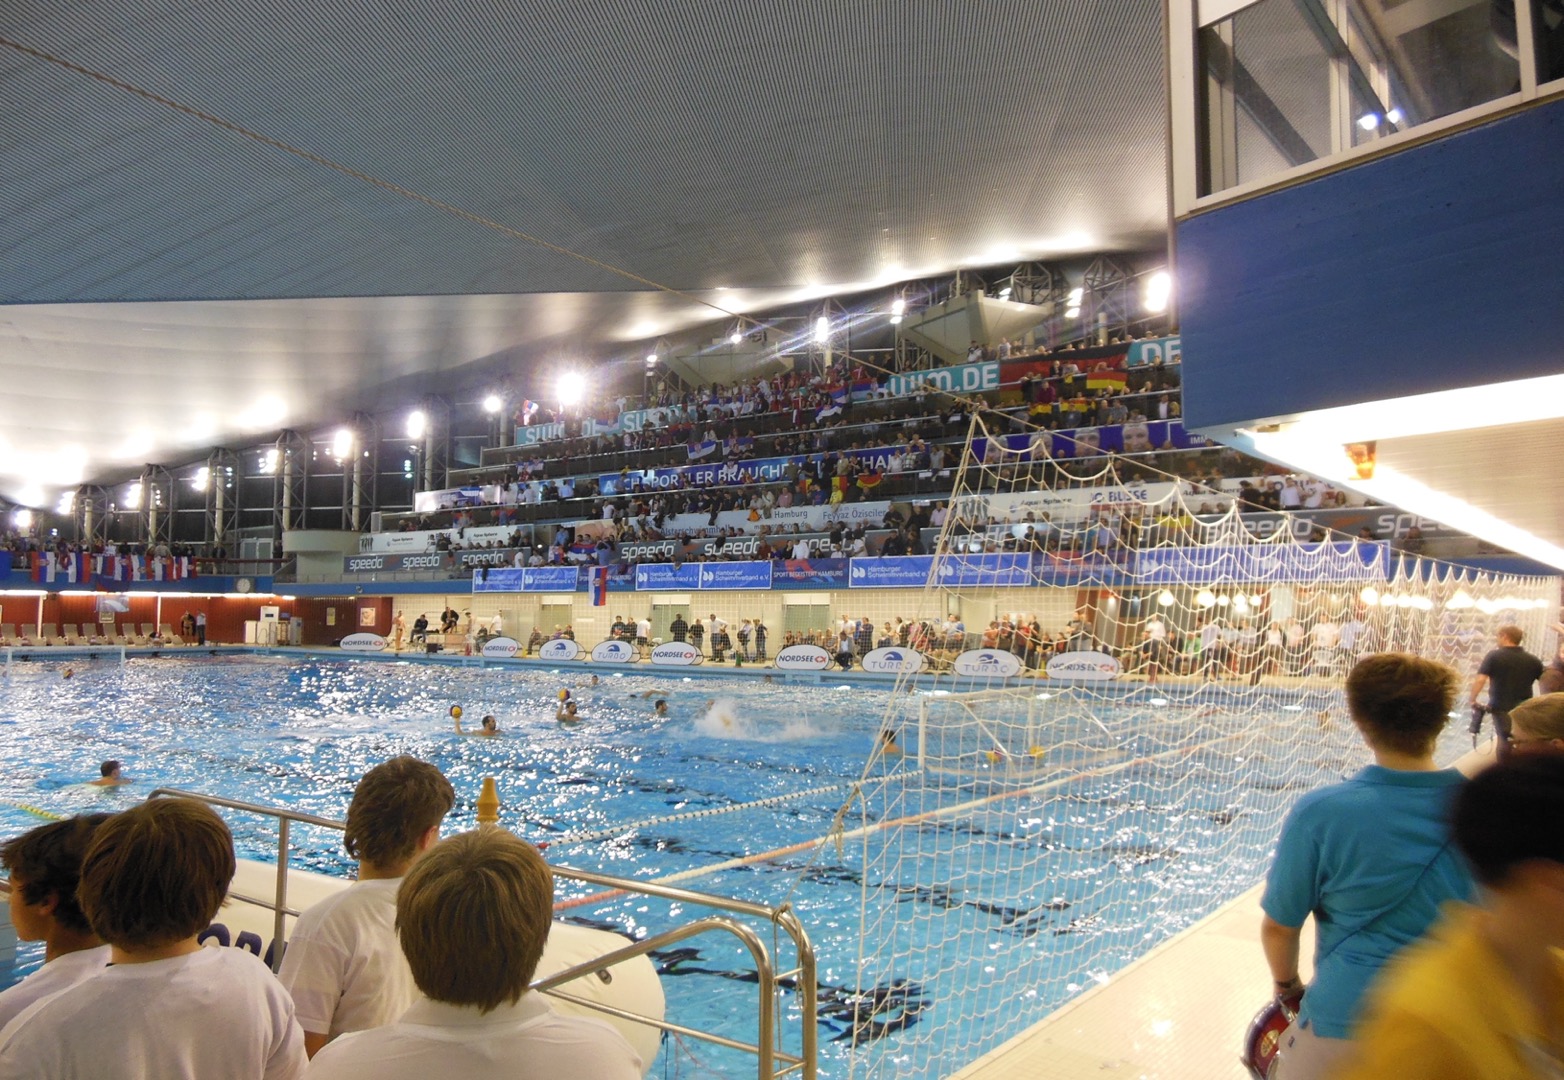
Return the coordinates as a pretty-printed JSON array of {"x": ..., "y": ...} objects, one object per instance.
[{"x": 1509, "y": 672}]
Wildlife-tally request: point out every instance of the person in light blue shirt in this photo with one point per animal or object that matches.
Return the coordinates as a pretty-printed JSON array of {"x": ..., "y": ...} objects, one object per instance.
[{"x": 1370, "y": 859}]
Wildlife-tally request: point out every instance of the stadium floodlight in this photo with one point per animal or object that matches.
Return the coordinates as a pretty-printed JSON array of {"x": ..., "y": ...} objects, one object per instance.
[
  {"x": 1369, "y": 121},
  {"x": 202, "y": 477},
  {"x": 1004, "y": 294},
  {"x": 133, "y": 496},
  {"x": 895, "y": 320},
  {"x": 417, "y": 424},
  {"x": 1369, "y": 595},
  {"x": 493, "y": 404},
  {"x": 651, "y": 360},
  {"x": 66, "y": 504},
  {"x": 571, "y": 388},
  {"x": 1205, "y": 598},
  {"x": 1393, "y": 115},
  {"x": 1072, "y": 313},
  {"x": 822, "y": 330},
  {"x": 1158, "y": 288},
  {"x": 898, "y": 307},
  {"x": 735, "y": 338},
  {"x": 342, "y": 443},
  {"x": 22, "y": 519},
  {"x": 1077, "y": 294},
  {"x": 1165, "y": 598}
]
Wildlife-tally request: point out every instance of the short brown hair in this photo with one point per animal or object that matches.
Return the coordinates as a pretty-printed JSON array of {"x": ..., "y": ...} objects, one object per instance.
[
  {"x": 1513, "y": 634},
  {"x": 156, "y": 873},
  {"x": 46, "y": 861},
  {"x": 473, "y": 916},
  {"x": 1400, "y": 701},
  {"x": 394, "y": 804},
  {"x": 1542, "y": 717}
]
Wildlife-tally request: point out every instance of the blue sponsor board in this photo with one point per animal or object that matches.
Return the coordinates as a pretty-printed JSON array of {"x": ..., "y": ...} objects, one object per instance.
[
  {"x": 963, "y": 379},
  {"x": 652, "y": 577},
  {"x": 809, "y": 574},
  {"x": 1137, "y": 438},
  {"x": 555, "y": 579},
  {"x": 890, "y": 572},
  {"x": 735, "y": 575},
  {"x": 1170, "y": 350},
  {"x": 1264, "y": 562},
  {"x": 997, "y": 569}
]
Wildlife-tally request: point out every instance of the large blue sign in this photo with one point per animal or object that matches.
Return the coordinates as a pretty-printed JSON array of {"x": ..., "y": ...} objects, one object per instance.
[
  {"x": 809, "y": 574},
  {"x": 1137, "y": 438},
  {"x": 652, "y": 577},
  {"x": 997, "y": 569},
  {"x": 554, "y": 579},
  {"x": 1264, "y": 562},
  {"x": 1170, "y": 350},
  {"x": 890, "y": 572},
  {"x": 736, "y": 575}
]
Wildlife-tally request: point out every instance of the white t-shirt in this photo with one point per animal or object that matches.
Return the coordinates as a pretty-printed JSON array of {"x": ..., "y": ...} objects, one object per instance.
[
  {"x": 208, "y": 1015},
  {"x": 435, "y": 1040},
  {"x": 58, "y": 974},
  {"x": 1326, "y": 634},
  {"x": 344, "y": 965},
  {"x": 643, "y": 628}
]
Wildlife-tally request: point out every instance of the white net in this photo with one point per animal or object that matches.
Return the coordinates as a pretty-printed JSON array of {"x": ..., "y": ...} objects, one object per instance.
[{"x": 1026, "y": 836}]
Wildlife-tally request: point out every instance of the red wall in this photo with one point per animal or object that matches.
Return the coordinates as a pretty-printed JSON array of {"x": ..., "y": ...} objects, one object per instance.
[{"x": 225, "y": 616}]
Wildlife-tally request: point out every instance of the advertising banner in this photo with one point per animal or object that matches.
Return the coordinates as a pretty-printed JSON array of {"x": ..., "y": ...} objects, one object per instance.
[
  {"x": 549, "y": 578},
  {"x": 890, "y": 572},
  {"x": 987, "y": 664},
  {"x": 962, "y": 379},
  {"x": 1264, "y": 562},
  {"x": 652, "y": 577},
  {"x": 802, "y": 658},
  {"x": 1137, "y": 438},
  {"x": 501, "y": 648},
  {"x": 1083, "y": 667},
  {"x": 538, "y": 433},
  {"x": 363, "y": 643},
  {"x": 895, "y": 661},
  {"x": 735, "y": 575},
  {"x": 676, "y": 654},
  {"x": 614, "y": 652},
  {"x": 364, "y": 564},
  {"x": 559, "y": 649},
  {"x": 997, "y": 569},
  {"x": 809, "y": 574},
  {"x": 1145, "y": 353}
]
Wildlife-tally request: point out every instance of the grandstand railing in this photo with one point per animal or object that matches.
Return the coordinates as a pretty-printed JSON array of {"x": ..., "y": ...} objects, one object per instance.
[{"x": 772, "y": 1062}]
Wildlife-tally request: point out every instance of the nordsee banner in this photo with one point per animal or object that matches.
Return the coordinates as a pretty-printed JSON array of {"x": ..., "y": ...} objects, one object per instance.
[
  {"x": 736, "y": 575},
  {"x": 962, "y": 379},
  {"x": 890, "y": 572},
  {"x": 652, "y": 577},
  {"x": 1264, "y": 562},
  {"x": 1000, "y": 569}
]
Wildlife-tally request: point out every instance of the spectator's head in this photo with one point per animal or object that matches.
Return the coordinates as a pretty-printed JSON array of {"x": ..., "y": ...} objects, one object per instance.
[
  {"x": 1538, "y": 724},
  {"x": 473, "y": 916},
  {"x": 1511, "y": 635},
  {"x": 1400, "y": 702},
  {"x": 44, "y": 865},
  {"x": 396, "y": 811},
  {"x": 155, "y": 874},
  {"x": 1506, "y": 824}
]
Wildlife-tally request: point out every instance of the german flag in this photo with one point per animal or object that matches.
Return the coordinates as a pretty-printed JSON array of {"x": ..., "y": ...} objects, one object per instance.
[{"x": 1105, "y": 380}]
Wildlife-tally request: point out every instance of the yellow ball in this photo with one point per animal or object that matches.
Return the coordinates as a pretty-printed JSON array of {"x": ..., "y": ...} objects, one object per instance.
[
  {"x": 564, "y": 695},
  {"x": 994, "y": 756},
  {"x": 456, "y": 712},
  {"x": 1037, "y": 751}
]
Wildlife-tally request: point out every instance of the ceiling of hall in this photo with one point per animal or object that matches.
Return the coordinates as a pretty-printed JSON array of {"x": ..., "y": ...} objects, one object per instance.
[{"x": 785, "y": 148}]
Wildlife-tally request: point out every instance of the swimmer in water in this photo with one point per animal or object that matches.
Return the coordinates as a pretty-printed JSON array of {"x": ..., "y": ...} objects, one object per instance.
[
  {"x": 593, "y": 681},
  {"x": 888, "y": 741},
  {"x": 661, "y": 708},
  {"x": 567, "y": 713},
  {"x": 490, "y": 726},
  {"x": 109, "y": 775}
]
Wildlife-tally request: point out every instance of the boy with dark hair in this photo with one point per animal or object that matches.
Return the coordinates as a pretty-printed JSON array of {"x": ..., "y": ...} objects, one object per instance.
[
  {"x": 152, "y": 879},
  {"x": 44, "y": 865},
  {"x": 342, "y": 965},
  {"x": 473, "y": 917},
  {"x": 1483, "y": 994},
  {"x": 1370, "y": 859}
]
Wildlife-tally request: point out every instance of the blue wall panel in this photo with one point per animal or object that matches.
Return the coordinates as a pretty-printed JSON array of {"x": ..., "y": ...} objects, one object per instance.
[{"x": 1435, "y": 268}]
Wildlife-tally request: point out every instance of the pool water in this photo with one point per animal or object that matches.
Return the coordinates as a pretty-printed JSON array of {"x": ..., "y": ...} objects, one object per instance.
[{"x": 1106, "y": 863}]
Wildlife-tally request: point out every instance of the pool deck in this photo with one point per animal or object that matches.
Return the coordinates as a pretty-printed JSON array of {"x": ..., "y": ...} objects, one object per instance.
[{"x": 1178, "y": 1013}]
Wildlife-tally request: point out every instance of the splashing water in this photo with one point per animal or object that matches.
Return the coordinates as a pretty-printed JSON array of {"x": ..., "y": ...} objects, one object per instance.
[{"x": 724, "y": 720}]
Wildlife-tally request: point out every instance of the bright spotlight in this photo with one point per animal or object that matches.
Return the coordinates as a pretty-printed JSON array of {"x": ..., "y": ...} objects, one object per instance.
[
  {"x": 1072, "y": 313},
  {"x": 1223, "y": 601},
  {"x": 651, "y": 359},
  {"x": 571, "y": 388},
  {"x": 736, "y": 338},
  {"x": 1205, "y": 598},
  {"x": 342, "y": 443},
  {"x": 1158, "y": 288},
  {"x": 22, "y": 519},
  {"x": 1077, "y": 294},
  {"x": 269, "y": 462},
  {"x": 898, "y": 306},
  {"x": 822, "y": 330},
  {"x": 1369, "y": 121},
  {"x": 1393, "y": 116},
  {"x": 895, "y": 320},
  {"x": 202, "y": 477},
  {"x": 66, "y": 504},
  {"x": 1165, "y": 598},
  {"x": 1004, "y": 294},
  {"x": 492, "y": 403},
  {"x": 1369, "y": 595},
  {"x": 417, "y": 424},
  {"x": 133, "y": 496}
]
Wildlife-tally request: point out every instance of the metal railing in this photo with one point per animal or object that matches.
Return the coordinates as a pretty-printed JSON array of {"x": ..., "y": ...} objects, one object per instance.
[{"x": 772, "y": 1062}]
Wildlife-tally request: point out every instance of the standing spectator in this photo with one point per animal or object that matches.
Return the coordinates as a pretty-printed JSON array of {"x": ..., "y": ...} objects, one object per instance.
[
  {"x": 153, "y": 878},
  {"x": 760, "y": 640},
  {"x": 697, "y": 634},
  {"x": 1370, "y": 859},
  {"x": 473, "y": 918},
  {"x": 200, "y": 627},
  {"x": 744, "y": 634},
  {"x": 643, "y": 631},
  {"x": 1508, "y": 674},
  {"x": 343, "y": 966},
  {"x": 679, "y": 629},
  {"x": 44, "y": 865}
]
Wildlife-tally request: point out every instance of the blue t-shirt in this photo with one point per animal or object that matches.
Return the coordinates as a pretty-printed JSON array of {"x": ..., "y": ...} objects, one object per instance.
[{"x": 1371, "y": 860}]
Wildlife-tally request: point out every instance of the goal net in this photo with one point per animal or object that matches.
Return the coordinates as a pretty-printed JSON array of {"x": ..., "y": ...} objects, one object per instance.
[{"x": 1133, "y": 683}]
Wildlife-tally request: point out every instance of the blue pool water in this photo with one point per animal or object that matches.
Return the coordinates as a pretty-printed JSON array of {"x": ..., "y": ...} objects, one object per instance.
[{"x": 1092, "y": 872}]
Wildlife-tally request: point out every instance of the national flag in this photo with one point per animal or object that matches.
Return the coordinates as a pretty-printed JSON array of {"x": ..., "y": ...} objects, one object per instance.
[
  {"x": 600, "y": 586},
  {"x": 704, "y": 448},
  {"x": 529, "y": 409},
  {"x": 829, "y": 411},
  {"x": 1106, "y": 380},
  {"x": 868, "y": 480}
]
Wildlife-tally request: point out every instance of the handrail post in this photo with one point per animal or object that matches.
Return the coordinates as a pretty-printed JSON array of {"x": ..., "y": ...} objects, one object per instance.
[{"x": 278, "y": 921}]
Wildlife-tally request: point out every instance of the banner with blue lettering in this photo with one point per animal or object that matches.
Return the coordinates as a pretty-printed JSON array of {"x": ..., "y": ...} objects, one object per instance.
[
  {"x": 1137, "y": 438},
  {"x": 890, "y": 572},
  {"x": 996, "y": 569},
  {"x": 1264, "y": 562},
  {"x": 961, "y": 379},
  {"x": 736, "y": 575},
  {"x": 809, "y": 574},
  {"x": 555, "y": 579},
  {"x": 538, "y": 433},
  {"x": 652, "y": 577},
  {"x": 1145, "y": 353}
]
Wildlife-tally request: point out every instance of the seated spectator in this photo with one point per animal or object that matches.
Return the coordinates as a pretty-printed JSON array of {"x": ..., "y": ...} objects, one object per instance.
[
  {"x": 1370, "y": 859},
  {"x": 343, "y": 966},
  {"x": 152, "y": 879},
  {"x": 1537, "y": 725},
  {"x": 473, "y": 917},
  {"x": 44, "y": 865},
  {"x": 1483, "y": 994}
]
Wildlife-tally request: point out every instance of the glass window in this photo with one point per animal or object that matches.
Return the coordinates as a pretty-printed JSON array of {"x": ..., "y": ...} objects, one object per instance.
[{"x": 1547, "y": 23}]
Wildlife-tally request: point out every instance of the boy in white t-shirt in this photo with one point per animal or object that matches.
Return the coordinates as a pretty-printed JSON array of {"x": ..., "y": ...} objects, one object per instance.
[
  {"x": 473, "y": 916},
  {"x": 343, "y": 965},
  {"x": 45, "y": 867},
  {"x": 152, "y": 879}
]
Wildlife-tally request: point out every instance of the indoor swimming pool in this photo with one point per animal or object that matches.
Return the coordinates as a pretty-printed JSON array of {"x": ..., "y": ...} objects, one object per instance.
[{"x": 1155, "y": 811}]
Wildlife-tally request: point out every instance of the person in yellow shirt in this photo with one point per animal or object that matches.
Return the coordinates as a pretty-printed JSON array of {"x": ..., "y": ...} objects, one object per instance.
[{"x": 1483, "y": 994}]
